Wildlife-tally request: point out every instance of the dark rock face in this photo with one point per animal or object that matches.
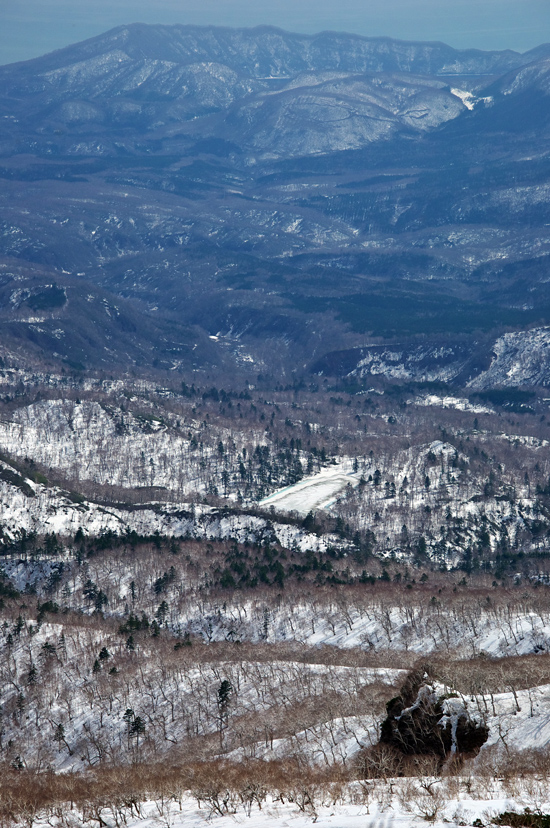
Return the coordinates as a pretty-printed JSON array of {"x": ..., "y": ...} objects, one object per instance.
[{"x": 432, "y": 725}]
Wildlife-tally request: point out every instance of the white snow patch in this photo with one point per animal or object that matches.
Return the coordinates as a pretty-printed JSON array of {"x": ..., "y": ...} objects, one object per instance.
[
  {"x": 316, "y": 492},
  {"x": 467, "y": 98}
]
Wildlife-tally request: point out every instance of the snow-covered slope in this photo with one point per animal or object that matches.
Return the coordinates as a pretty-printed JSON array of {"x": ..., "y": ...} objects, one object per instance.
[
  {"x": 53, "y": 510},
  {"x": 520, "y": 358},
  {"x": 317, "y": 492}
]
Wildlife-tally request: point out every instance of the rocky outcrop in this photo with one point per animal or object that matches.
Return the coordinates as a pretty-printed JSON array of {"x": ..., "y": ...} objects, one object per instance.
[
  {"x": 431, "y": 724},
  {"x": 519, "y": 358}
]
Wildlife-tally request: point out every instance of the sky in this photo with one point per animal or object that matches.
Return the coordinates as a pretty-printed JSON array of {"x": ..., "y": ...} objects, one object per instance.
[{"x": 29, "y": 28}]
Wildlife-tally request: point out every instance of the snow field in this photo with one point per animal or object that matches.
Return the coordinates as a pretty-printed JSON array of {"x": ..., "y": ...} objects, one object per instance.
[{"x": 316, "y": 492}]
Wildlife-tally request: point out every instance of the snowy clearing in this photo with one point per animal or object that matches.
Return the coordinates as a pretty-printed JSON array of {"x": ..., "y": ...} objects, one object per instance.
[{"x": 316, "y": 492}]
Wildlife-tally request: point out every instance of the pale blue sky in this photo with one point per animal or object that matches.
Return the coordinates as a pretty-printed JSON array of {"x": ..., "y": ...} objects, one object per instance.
[{"x": 29, "y": 28}]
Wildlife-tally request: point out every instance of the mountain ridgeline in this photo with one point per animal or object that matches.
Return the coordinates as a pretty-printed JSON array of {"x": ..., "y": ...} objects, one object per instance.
[{"x": 253, "y": 201}]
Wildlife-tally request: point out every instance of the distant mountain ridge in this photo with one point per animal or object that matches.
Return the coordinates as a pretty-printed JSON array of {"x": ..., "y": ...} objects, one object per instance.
[
  {"x": 347, "y": 90},
  {"x": 266, "y": 51},
  {"x": 142, "y": 77},
  {"x": 245, "y": 187}
]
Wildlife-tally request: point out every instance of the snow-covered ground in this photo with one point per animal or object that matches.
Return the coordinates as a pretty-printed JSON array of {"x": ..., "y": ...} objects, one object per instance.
[
  {"x": 470, "y": 630},
  {"x": 519, "y": 720},
  {"x": 316, "y": 492},
  {"x": 388, "y": 803},
  {"x": 274, "y": 814}
]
